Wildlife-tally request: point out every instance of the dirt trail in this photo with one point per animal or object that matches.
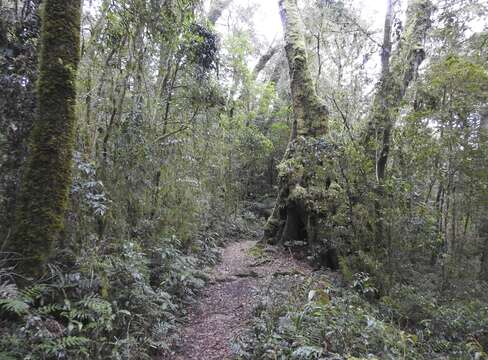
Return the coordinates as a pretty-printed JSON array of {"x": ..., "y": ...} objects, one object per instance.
[{"x": 225, "y": 306}]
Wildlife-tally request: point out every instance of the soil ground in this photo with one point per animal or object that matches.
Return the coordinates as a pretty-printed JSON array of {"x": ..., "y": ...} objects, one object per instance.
[{"x": 225, "y": 307}]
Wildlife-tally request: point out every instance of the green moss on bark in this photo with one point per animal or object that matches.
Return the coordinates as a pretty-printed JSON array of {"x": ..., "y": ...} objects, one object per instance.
[
  {"x": 292, "y": 216},
  {"x": 483, "y": 233},
  {"x": 309, "y": 111},
  {"x": 395, "y": 81},
  {"x": 46, "y": 181}
]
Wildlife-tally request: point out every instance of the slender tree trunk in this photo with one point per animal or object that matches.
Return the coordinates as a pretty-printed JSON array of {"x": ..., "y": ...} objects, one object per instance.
[
  {"x": 217, "y": 9},
  {"x": 264, "y": 59},
  {"x": 46, "y": 182},
  {"x": 396, "y": 76},
  {"x": 483, "y": 228},
  {"x": 245, "y": 96},
  {"x": 483, "y": 233},
  {"x": 382, "y": 117}
]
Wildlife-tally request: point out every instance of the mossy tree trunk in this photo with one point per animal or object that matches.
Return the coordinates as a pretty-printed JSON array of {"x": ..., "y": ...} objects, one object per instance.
[
  {"x": 19, "y": 33},
  {"x": 46, "y": 181},
  {"x": 290, "y": 219},
  {"x": 483, "y": 233},
  {"x": 483, "y": 223},
  {"x": 398, "y": 70},
  {"x": 310, "y": 113}
]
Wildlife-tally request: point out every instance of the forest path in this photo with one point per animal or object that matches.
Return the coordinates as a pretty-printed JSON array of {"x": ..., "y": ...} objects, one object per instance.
[{"x": 225, "y": 306}]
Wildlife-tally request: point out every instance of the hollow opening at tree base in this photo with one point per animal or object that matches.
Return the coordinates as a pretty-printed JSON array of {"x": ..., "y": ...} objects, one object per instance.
[{"x": 294, "y": 228}]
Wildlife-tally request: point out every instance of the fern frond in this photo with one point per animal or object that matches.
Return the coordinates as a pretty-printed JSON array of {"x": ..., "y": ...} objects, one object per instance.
[
  {"x": 7, "y": 356},
  {"x": 8, "y": 290},
  {"x": 15, "y": 306},
  {"x": 96, "y": 304},
  {"x": 73, "y": 342},
  {"x": 33, "y": 293},
  {"x": 49, "y": 309}
]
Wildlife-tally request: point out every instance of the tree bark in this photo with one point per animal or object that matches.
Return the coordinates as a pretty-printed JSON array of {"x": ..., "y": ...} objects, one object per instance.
[
  {"x": 217, "y": 9},
  {"x": 264, "y": 59},
  {"x": 290, "y": 219},
  {"x": 44, "y": 192},
  {"x": 310, "y": 113},
  {"x": 483, "y": 227},
  {"x": 397, "y": 72}
]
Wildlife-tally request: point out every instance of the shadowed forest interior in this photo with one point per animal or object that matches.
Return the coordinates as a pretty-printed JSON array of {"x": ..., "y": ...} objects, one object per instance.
[{"x": 244, "y": 179}]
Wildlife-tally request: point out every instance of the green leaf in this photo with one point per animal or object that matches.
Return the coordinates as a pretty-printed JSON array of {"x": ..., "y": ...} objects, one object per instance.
[{"x": 16, "y": 306}]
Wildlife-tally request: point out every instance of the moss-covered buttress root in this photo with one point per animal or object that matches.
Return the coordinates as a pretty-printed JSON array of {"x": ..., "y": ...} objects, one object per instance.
[{"x": 46, "y": 181}]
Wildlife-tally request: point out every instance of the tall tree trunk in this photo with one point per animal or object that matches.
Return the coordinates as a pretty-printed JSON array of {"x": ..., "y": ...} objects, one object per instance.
[
  {"x": 290, "y": 219},
  {"x": 397, "y": 72},
  {"x": 310, "y": 113},
  {"x": 44, "y": 192},
  {"x": 484, "y": 255},
  {"x": 483, "y": 228}
]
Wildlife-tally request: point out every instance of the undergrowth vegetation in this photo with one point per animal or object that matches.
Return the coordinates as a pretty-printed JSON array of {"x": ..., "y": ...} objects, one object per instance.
[
  {"x": 106, "y": 306},
  {"x": 372, "y": 147},
  {"x": 319, "y": 319},
  {"x": 156, "y": 180},
  {"x": 126, "y": 304}
]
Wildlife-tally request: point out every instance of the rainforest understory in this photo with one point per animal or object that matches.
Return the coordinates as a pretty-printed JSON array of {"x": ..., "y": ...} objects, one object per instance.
[{"x": 243, "y": 179}]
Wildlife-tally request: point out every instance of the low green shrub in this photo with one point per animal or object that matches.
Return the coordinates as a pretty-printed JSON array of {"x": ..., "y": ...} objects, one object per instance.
[{"x": 317, "y": 320}]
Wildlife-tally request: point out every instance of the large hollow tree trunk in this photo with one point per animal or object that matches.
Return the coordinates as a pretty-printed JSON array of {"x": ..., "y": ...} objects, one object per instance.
[
  {"x": 290, "y": 219},
  {"x": 46, "y": 181}
]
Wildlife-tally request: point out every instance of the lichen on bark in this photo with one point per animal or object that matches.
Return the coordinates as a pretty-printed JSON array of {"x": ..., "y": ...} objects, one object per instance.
[
  {"x": 395, "y": 80},
  {"x": 293, "y": 217},
  {"x": 310, "y": 113},
  {"x": 46, "y": 181},
  {"x": 399, "y": 68}
]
